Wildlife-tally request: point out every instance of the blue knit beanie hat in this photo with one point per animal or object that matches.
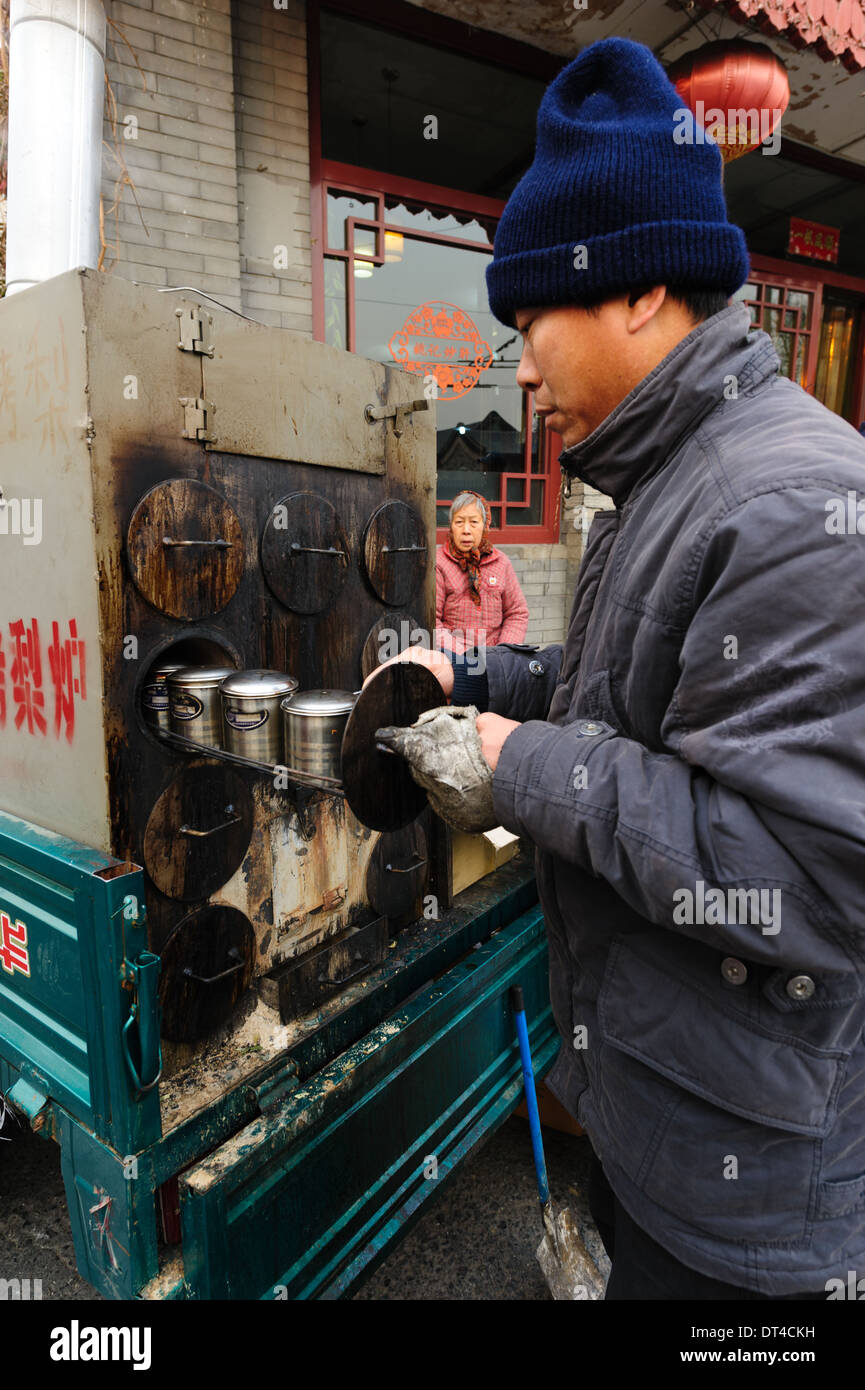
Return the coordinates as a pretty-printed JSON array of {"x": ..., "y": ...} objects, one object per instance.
[{"x": 620, "y": 195}]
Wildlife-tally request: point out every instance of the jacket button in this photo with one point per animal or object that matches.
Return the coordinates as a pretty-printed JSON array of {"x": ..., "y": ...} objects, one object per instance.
[
  {"x": 536, "y": 668},
  {"x": 800, "y": 987},
  {"x": 588, "y": 726},
  {"x": 735, "y": 972}
]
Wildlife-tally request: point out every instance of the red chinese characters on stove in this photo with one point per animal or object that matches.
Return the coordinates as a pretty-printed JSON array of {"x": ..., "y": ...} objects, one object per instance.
[
  {"x": 440, "y": 342},
  {"x": 23, "y": 671}
]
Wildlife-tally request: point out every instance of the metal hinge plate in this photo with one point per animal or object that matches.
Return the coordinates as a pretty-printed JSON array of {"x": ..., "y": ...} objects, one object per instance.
[
  {"x": 195, "y": 327},
  {"x": 197, "y": 416}
]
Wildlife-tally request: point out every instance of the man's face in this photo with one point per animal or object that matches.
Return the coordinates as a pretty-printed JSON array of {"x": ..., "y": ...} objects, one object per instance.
[{"x": 579, "y": 365}]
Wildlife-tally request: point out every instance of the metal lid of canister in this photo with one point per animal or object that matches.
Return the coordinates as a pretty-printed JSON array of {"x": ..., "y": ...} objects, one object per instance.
[
  {"x": 199, "y": 677},
  {"x": 162, "y": 671},
  {"x": 258, "y": 682},
  {"x": 319, "y": 702}
]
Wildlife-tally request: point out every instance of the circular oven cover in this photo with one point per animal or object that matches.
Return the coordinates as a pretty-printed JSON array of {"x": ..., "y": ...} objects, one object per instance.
[
  {"x": 395, "y": 552},
  {"x": 185, "y": 549},
  {"x": 304, "y": 552},
  {"x": 206, "y": 967},
  {"x": 198, "y": 832},
  {"x": 378, "y": 786}
]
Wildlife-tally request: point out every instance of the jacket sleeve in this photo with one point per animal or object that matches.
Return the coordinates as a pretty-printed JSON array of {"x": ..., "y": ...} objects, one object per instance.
[
  {"x": 443, "y": 638},
  {"x": 764, "y": 786},
  {"x": 515, "y": 610},
  {"x": 515, "y": 681}
]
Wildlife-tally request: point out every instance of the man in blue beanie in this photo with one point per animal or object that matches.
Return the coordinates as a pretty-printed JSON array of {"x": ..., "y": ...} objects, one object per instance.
[{"x": 690, "y": 764}]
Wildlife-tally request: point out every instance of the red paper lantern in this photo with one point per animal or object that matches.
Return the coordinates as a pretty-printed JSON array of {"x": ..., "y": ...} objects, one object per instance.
[{"x": 737, "y": 90}]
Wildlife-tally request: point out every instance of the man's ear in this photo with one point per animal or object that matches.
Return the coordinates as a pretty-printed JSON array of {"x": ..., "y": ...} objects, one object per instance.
[{"x": 645, "y": 304}]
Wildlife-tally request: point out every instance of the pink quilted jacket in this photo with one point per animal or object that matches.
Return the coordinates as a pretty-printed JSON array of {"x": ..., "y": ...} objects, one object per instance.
[{"x": 503, "y": 614}]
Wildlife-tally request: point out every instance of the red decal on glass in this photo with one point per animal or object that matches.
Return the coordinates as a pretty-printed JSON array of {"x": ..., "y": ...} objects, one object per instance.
[{"x": 438, "y": 340}]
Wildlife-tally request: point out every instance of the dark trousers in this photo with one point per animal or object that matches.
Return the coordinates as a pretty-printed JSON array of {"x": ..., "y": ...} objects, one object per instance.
[{"x": 644, "y": 1269}]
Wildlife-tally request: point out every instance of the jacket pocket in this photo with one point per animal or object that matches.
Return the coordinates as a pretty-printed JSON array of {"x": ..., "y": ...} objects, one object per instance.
[
  {"x": 737, "y": 1151},
  {"x": 764, "y": 1074}
]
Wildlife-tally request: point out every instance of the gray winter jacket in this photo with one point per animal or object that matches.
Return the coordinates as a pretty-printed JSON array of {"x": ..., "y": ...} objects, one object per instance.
[{"x": 691, "y": 770}]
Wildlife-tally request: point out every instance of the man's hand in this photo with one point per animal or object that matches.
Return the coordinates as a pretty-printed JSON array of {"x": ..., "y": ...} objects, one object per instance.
[
  {"x": 493, "y": 730},
  {"x": 438, "y": 663}
]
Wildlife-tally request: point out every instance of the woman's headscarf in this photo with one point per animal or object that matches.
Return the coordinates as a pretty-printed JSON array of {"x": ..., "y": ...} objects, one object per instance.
[{"x": 469, "y": 561}]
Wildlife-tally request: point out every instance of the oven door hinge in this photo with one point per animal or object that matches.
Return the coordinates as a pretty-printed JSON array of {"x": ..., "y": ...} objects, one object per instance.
[
  {"x": 197, "y": 416},
  {"x": 194, "y": 326}
]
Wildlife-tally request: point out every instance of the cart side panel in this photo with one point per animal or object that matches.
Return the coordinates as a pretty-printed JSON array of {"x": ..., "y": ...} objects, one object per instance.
[
  {"x": 71, "y": 924},
  {"x": 53, "y": 764}
]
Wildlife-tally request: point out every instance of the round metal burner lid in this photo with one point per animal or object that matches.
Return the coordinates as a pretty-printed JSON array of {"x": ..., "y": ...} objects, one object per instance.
[
  {"x": 200, "y": 676},
  {"x": 320, "y": 702},
  {"x": 259, "y": 682},
  {"x": 378, "y": 786}
]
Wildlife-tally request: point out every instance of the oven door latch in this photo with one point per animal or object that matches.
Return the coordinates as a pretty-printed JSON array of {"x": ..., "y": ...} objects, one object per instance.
[{"x": 398, "y": 413}]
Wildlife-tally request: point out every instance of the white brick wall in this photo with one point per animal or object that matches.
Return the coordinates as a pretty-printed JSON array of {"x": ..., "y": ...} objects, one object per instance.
[
  {"x": 220, "y": 165},
  {"x": 543, "y": 578},
  {"x": 183, "y": 163},
  {"x": 548, "y": 573},
  {"x": 273, "y": 170}
]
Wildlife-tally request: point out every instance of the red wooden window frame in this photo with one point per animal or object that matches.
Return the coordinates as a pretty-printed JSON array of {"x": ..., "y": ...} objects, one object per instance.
[
  {"x": 812, "y": 280},
  {"x": 373, "y": 186}
]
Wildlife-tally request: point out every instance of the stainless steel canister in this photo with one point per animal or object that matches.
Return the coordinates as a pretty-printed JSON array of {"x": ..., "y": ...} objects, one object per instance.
[
  {"x": 315, "y": 721},
  {"x": 250, "y": 711},
  {"x": 154, "y": 694},
  {"x": 194, "y": 703}
]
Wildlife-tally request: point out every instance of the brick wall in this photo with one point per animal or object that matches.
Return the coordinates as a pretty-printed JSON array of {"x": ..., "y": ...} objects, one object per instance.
[
  {"x": 177, "y": 85},
  {"x": 218, "y": 157},
  {"x": 542, "y": 572},
  {"x": 273, "y": 163},
  {"x": 548, "y": 573}
]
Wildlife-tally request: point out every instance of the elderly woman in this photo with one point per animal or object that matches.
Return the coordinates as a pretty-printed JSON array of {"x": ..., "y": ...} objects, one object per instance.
[{"x": 479, "y": 601}]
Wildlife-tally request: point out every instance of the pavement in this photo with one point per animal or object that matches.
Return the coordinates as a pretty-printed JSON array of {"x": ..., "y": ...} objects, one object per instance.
[{"x": 477, "y": 1241}]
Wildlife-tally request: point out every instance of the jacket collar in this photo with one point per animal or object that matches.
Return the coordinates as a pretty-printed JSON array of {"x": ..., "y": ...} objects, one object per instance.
[{"x": 645, "y": 429}]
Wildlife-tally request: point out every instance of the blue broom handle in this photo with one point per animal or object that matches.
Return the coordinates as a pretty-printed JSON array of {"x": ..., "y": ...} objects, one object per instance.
[{"x": 531, "y": 1098}]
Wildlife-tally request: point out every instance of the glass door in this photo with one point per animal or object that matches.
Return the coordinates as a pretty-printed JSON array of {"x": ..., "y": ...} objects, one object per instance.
[{"x": 840, "y": 357}]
